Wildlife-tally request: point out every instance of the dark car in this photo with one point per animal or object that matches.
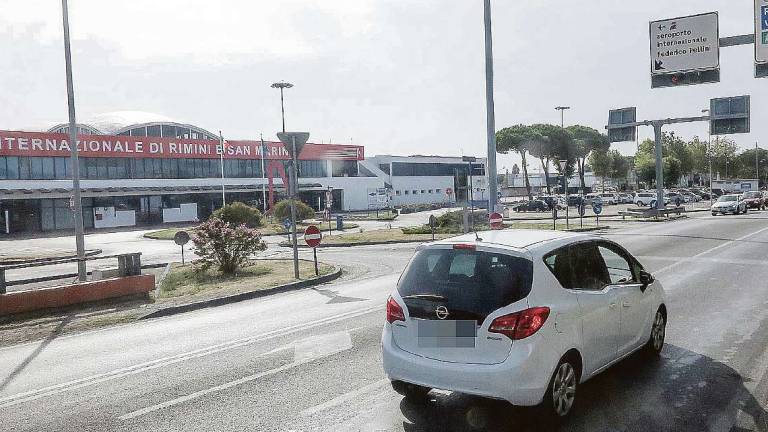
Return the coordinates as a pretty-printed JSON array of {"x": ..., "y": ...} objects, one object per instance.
[
  {"x": 754, "y": 199},
  {"x": 575, "y": 200},
  {"x": 535, "y": 205}
]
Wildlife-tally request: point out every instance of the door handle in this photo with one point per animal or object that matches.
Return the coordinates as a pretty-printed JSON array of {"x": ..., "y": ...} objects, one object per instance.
[{"x": 626, "y": 304}]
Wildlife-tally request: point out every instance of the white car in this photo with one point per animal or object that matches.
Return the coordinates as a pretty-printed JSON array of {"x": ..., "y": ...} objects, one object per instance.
[
  {"x": 644, "y": 198},
  {"x": 520, "y": 315},
  {"x": 609, "y": 198},
  {"x": 729, "y": 204}
]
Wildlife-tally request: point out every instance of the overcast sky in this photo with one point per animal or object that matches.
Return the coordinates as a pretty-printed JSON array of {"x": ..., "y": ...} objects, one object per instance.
[{"x": 397, "y": 76}]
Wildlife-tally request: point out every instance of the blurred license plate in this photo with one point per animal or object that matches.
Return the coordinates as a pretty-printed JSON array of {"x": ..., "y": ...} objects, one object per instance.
[{"x": 446, "y": 334}]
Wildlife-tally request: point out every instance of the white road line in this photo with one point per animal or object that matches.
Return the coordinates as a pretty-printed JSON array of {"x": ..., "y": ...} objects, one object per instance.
[
  {"x": 720, "y": 246},
  {"x": 354, "y": 394},
  {"x": 32, "y": 395},
  {"x": 305, "y": 351}
]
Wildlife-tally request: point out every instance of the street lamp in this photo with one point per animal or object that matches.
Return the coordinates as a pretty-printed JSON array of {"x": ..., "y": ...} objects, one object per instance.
[
  {"x": 282, "y": 85},
  {"x": 562, "y": 114},
  {"x": 709, "y": 158}
]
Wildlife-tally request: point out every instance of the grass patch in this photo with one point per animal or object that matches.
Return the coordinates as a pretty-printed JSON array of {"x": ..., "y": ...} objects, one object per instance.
[
  {"x": 378, "y": 236},
  {"x": 269, "y": 229},
  {"x": 514, "y": 225},
  {"x": 193, "y": 284}
]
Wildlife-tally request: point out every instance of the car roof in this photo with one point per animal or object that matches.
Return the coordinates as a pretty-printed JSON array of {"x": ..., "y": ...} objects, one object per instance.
[{"x": 515, "y": 238}]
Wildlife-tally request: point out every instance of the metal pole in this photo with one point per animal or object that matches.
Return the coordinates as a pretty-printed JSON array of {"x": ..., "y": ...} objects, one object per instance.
[
  {"x": 221, "y": 159},
  {"x": 472, "y": 201},
  {"x": 709, "y": 157},
  {"x": 659, "y": 166},
  {"x": 565, "y": 179},
  {"x": 282, "y": 112},
  {"x": 78, "y": 205},
  {"x": 757, "y": 167},
  {"x": 490, "y": 115},
  {"x": 314, "y": 254},
  {"x": 294, "y": 184},
  {"x": 263, "y": 175}
]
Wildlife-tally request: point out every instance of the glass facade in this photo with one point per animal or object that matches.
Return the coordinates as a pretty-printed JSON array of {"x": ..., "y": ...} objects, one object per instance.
[
  {"x": 50, "y": 168},
  {"x": 404, "y": 169}
]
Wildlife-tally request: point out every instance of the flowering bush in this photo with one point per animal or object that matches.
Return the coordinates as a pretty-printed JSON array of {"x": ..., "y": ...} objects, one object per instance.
[{"x": 224, "y": 245}]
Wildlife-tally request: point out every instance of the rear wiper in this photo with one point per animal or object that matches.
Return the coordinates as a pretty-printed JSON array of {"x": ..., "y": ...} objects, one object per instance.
[{"x": 425, "y": 296}]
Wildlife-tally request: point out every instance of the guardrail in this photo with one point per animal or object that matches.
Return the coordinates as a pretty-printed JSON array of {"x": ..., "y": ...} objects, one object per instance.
[{"x": 128, "y": 265}]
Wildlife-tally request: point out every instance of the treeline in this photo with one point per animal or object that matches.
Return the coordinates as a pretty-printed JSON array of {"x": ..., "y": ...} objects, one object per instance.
[{"x": 587, "y": 149}]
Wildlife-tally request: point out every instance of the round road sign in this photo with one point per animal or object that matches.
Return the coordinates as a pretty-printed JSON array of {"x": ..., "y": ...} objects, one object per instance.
[
  {"x": 449, "y": 191},
  {"x": 181, "y": 238},
  {"x": 496, "y": 220},
  {"x": 312, "y": 236},
  {"x": 597, "y": 208}
]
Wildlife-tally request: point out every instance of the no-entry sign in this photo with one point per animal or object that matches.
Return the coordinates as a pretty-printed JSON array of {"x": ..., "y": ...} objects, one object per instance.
[
  {"x": 496, "y": 220},
  {"x": 312, "y": 236}
]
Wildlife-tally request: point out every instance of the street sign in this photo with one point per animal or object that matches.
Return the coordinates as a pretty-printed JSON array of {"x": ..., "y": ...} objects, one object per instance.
[
  {"x": 181, "y": 238},
  {"x": 287, "y": 224},
  {"x": 287, "y": 139},
  {"x": 496, "y": 220},
  {"x": 619, "y": 117},
  {"x": 313, "y": 236},
  {"x": 597, "y": 208},
  {"x": 449, "y": 191},
  {"x": 685, "y": 50},
  {"x": 729, "y": 115},
  {"x": 761, "y": 36}
]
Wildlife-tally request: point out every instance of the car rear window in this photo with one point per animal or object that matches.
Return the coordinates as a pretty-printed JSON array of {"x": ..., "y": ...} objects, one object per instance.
[{"x": 469, "y": 283}]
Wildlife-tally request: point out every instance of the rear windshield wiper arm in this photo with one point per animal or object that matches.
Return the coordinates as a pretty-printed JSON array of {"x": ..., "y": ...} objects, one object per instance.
[{"x": 425, "y": 296}]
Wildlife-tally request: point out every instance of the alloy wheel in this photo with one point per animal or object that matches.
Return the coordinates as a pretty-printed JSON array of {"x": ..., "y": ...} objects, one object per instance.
[
  {"x": 658, "y": 331},
  {"x": 564, "y": 389}
]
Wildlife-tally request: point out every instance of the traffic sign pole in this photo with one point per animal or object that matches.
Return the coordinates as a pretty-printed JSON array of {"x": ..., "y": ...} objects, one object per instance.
[{"x": 313, "y": 237}]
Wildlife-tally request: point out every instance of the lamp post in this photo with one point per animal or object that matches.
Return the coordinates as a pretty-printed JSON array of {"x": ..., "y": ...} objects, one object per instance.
[
  {"x": 282, "y": 85},
  {"x": 562, "y": 114},
  {"x": 221, "y": 160},
  {"x": 709, "y": 158},
  {"x": 77, "y": 205}
]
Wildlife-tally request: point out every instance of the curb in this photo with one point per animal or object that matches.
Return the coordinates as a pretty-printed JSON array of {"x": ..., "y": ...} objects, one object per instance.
[
  {"x": 342, "y": 245},
  {"x": 88, "y": 253},
  {"x": 173, "y": 310}
]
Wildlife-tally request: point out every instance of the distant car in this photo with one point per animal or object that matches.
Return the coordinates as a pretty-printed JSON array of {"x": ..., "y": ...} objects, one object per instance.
[
  {"x": 534, "y": 205},
  {"x": 609, "y": 198},
  {"x": 754, "y": 199},
  {"x": 676, "y": 198},
  {"x": 521, "y": 316},
  {"x": 574, "y": 200},
  {"x": 729, "y": 204},
  {"x": 552, "y": 200},
  {"x": 691, "y": 197},
  {"x": 591, "y": 199},
  {"x": 644, "y": 198}
]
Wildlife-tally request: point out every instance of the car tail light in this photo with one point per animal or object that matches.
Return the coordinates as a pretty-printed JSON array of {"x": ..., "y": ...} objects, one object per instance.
[
  {"x": 394, "y": 311},
  {"x": 520, "y": 325},
  {"x": 463, "y": 246}
]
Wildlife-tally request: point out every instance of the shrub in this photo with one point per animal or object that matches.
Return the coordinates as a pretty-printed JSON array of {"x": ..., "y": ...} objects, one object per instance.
[
  {"x": 238, "y": 214},
  {"x": 225, "y": 246},
  {"x": 282, "y": 210}
]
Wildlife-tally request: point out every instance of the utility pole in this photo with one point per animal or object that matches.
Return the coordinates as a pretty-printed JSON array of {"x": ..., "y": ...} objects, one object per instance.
[
  {"x": 562, "y": 116},
  {"x": 221, "y": 159},
  {"x": 757, "y": 166},
  {"x": 76, "y": 200},
  {"x": 490, "y": 115}
]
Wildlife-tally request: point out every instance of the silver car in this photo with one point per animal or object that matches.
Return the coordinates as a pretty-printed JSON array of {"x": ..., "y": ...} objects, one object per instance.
[{"x": 729, "y": 204}]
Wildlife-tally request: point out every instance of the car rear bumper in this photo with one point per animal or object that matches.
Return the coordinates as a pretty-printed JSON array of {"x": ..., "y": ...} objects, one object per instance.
[{"x": 521, "y": 379}]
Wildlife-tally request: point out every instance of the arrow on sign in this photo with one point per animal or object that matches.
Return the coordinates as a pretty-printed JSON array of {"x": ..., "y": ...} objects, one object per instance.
[{"x": 658, "y": 65}]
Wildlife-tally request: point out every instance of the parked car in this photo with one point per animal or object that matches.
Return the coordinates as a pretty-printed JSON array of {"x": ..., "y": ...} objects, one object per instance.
[
  {"x": 518, "y": 315},
  {"x": 625, "y": 198},
  {"x": 691, "y": 197},
  {"x": 754, "y": 199},
  {"x": 609, "y": 198},
  {"x": 729, "y": 204},
  {"x": 553, "y": 200},
  {"x": 575, "y": 200},
  {"x": 644, "y": 198},
  {"x": 534, "y": 205},
  {"x": 592, "y": 198},
  {"x": 675, "y": 198}
]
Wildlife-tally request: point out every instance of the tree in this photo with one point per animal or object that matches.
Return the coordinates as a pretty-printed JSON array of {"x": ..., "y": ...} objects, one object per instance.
[
  {"x": 555, "y": 145},
  {"x": 225, "y": 245},
  {"x": 672, "y": 171},
  {"x": 746, "y": 163},
  {"x": 699, "y": 157},
  {"x": 600, "y": 161},
  {"x": 723, "y": 156},
  {"x": 645, "y": 167},
  {"x": 519, "y": 139},
  {"x": 673, "y": 145},
  {"x": 282, "y": 210},
  {"x": 619, "y": 166},
  {"x": 238, "y": 214},
  {"x": 585, "y": 141}
]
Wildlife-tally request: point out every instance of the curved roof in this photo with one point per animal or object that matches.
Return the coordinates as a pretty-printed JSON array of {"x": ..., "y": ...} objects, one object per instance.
[{"x": 116, "y": 121}]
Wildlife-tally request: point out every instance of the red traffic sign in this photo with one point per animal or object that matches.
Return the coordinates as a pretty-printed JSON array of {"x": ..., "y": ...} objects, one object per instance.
[
  {"x": 449, "y": 191},
  {"x": 312, "y": 236},
  {"x": 496, "y": 220}
]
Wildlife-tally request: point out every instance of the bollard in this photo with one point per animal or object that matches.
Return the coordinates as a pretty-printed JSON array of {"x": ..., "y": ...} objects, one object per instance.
[{"x": 2, "y": 281}]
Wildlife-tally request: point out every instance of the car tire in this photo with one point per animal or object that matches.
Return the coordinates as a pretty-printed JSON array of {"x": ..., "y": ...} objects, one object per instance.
[
  {"x": 714, "y": 213},
  {"x": 413, "y": 393},
  {"x": 658, "y": 333},
  {"x": 560, "y": 398}
]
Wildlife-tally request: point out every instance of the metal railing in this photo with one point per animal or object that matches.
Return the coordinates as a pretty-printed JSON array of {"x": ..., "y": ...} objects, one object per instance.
[{"x": 128, "y": 265}]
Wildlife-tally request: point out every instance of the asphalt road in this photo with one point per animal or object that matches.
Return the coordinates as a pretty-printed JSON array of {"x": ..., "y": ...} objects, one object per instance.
[{"x": 310, "y": 360}]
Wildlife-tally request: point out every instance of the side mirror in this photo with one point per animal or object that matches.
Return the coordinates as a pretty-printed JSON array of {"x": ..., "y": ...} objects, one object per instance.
[{"x": 646, "y": 279}]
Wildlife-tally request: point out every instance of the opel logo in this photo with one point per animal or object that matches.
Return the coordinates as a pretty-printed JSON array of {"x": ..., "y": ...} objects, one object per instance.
[{"x": 441, "y": 312}]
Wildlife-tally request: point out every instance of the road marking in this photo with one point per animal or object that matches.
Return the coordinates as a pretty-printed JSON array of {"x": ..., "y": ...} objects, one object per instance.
[
  {"x": 669, "y": 267},
  {"x": 344, "y": 398},
  {"x": 32, "y": 395},
  {"x": 305, "y": 351}
]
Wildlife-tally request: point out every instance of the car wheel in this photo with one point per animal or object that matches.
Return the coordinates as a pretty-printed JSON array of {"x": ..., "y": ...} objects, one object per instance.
[
  {"x": 561, "y": 394},
  {"x": 658, "y": 333},
  {"x": 714, "y": 213},
  {"x": 412, "y": 392}
]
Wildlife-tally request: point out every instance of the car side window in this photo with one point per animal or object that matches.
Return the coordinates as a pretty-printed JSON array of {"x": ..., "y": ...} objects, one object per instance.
[
  {"x": 588, "y": 267},
  {"x": 618, "y": 266},
  {"x": 559, "y": 263}
]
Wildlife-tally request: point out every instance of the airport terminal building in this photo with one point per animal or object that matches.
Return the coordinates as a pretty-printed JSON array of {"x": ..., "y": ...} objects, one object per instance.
[{"x": 140, "y": 169}]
